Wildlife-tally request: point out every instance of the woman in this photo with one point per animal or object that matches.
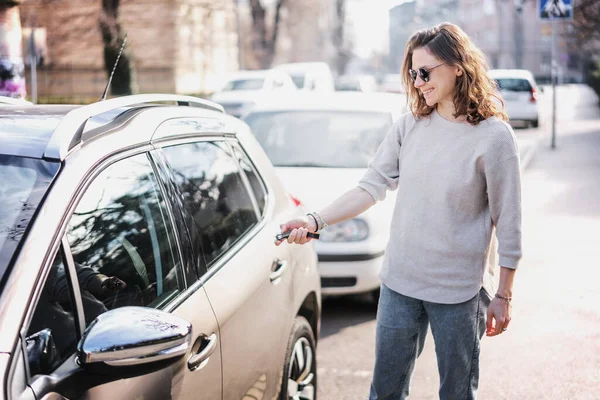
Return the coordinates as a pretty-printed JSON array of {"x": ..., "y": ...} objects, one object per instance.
[{"x": 455, "y": 163}]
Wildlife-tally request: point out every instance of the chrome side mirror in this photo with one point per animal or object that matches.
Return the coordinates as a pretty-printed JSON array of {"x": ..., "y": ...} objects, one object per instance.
[{"x": 130, "y": 336}]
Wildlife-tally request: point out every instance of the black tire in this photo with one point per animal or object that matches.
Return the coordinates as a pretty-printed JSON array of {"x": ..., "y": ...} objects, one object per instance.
[
  {"x": 302, "y": 341},
  {"x": 535, "y": 123}
]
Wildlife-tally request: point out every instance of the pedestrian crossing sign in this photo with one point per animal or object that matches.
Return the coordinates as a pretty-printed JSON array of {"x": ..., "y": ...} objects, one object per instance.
[{"x": 555, "y": 9}]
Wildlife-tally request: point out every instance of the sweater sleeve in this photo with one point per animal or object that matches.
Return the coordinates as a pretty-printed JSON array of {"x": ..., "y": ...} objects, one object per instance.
[
  {"x": 383, "y": 171},
  {"x": 503, "y": 178}
]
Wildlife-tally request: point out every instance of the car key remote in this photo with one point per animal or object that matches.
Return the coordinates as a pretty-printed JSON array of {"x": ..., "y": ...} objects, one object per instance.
[{"x": 285, "y": 235}]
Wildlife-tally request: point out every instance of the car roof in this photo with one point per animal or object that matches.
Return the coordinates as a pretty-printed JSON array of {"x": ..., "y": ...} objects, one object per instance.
[
  {"x": 335, "y": 101},
  {"x": 248, "y": 74},
  {"x": 26, "y": 130},
  {"x": 52, "y": 131},
  {"x": 511, "y": 73}
]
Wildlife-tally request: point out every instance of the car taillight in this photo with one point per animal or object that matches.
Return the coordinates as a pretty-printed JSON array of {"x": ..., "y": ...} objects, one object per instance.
[
  {"x": 534, "y": 96},
  {"x": 295, "y": 200}
]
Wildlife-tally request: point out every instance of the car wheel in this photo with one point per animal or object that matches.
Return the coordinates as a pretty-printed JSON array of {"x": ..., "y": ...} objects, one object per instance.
[
  {"x": 535, "y": 123},
  {"x": 300, "y": 369}
]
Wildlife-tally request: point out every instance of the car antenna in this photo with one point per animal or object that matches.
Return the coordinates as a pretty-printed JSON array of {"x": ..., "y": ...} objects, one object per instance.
[{"x": 114, "y": 68}]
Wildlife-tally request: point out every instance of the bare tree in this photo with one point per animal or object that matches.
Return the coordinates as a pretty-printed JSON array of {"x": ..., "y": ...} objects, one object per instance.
[
  {"x": 586, "y": 22},
  {"x": 112, "y": 37},
  {"x": 264, "y": 39}
]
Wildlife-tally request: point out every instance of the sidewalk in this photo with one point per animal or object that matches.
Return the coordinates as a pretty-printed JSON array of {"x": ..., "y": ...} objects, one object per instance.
[{"x": 552, "y": 348}]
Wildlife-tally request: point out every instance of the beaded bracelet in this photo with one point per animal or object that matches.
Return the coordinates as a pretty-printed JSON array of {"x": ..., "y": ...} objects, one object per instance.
[{"x": 507, "y": 299}]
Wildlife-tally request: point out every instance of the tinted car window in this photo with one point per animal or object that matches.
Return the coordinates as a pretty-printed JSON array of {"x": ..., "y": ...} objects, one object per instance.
[
  {"x": 122, "y": 241},
  {"x": 256, "y": 183},
  {"x": 51, "y": 336},
  {"x": 214, "y": 195},
  {"x": 514, "y": 84}
]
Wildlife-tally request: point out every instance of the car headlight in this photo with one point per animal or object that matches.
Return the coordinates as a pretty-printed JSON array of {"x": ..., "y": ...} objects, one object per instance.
[{"x": 353, "y": 230}]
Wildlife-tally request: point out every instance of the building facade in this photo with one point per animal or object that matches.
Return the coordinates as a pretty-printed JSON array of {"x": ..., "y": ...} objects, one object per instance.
[{"x": 177, "y": 46}]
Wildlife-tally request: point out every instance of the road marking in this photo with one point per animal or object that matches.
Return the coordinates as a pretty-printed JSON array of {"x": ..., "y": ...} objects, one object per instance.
[{"x": 343, "y": 372}]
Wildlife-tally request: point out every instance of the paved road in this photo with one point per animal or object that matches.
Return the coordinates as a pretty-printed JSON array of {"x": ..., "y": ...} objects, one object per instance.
[{"x": 552, "y": 349}]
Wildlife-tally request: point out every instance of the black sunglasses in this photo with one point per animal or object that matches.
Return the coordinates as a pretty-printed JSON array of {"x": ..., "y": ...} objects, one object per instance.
[{"x": 423, "y": 73}]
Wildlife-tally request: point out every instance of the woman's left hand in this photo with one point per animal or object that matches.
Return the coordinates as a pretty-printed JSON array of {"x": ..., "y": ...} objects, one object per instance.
[{"x": 498, "y": 317}]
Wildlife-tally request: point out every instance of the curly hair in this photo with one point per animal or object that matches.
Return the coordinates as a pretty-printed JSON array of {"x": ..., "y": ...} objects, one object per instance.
[{"x": 475, "y": 95}]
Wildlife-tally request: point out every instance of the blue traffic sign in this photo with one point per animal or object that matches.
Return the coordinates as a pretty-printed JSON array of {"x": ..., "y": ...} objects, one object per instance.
[{"x": 555, "y": 9}]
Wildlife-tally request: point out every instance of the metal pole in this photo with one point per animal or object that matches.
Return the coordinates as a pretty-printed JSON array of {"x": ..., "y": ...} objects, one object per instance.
[
  {"x": 33, "y": 66},
  {"x": 554, "y": 76}
]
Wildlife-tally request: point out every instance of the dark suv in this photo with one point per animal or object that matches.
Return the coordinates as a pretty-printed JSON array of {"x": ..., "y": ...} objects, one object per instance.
[{"x": 137, "y": 257}]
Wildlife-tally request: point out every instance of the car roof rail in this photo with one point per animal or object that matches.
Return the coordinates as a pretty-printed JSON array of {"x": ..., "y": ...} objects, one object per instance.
[{"x": 69, "y": 131}]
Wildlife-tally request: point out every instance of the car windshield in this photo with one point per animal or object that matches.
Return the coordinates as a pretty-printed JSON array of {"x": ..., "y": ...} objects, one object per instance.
[
  {"x": 514, "y": 84},
  {"x": 329, "y": 139},
  {"x": 24, "y": 184},
  {"x": 244, "y": 84}
]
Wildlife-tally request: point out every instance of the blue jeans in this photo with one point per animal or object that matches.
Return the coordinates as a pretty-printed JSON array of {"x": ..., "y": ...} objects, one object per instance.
[{"x": 401, "y": 329}]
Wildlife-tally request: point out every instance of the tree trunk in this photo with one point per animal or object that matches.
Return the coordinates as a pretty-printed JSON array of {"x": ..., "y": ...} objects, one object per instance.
[
  {"x": 112, "y": 37},
  {"x": 264, "y": 45},
  {"x": 342, "y": 51}
]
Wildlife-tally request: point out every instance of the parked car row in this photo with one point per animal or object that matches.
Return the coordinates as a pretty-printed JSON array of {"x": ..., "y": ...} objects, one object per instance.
[{"x": 244, "y": 89}]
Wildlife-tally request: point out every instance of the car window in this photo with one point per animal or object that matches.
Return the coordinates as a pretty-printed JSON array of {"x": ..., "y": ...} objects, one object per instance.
[
  {"x": 245, "y": 84},
  {"x": 344, "y": 139},
  {"x": 52, "y": 336},
  {"x": 298, "y": 80},
  {"x": 214, "y": 196},
  {"x": 257, "y": 185},
  {"x": 514, "y": 84},
  {"x": 24, "y": 185},
  {"x": 122, "y": 241}
]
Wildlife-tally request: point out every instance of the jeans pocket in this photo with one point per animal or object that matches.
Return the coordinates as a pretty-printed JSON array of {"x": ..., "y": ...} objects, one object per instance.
[{"x": 485, "y": 297}]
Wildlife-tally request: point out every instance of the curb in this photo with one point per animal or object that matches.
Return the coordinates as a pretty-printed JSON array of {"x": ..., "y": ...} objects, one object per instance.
[{"x": 526, "y": 158}]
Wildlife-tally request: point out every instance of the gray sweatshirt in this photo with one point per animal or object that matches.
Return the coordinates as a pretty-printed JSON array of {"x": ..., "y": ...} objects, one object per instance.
[{"x": 458, "y": 184}]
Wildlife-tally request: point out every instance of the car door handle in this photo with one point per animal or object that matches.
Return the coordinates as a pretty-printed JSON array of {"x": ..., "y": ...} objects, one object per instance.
[
  {"x": 206, "y": 348},
  {"x": 278, "y": 268}
]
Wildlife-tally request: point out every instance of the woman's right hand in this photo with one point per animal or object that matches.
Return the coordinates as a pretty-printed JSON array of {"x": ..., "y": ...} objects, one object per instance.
[{"x": 299, "y": 227}]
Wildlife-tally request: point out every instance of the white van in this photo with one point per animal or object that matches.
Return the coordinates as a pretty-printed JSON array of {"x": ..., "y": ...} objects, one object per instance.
[{"x": 310, "y": 76}]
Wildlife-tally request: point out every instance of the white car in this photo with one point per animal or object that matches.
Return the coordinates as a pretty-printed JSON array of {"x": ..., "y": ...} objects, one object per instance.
[
  {"x": 320, "y": 145},
  {"x": 356, "y": 83},
  {"x": 520, "y": 93},
  {"x": 244, "y": 88},
  {"x": 310, "y": 76}
]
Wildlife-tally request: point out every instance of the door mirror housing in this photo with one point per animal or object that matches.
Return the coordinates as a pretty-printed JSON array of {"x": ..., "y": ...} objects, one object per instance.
[{"x": 133, "y": 336}]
